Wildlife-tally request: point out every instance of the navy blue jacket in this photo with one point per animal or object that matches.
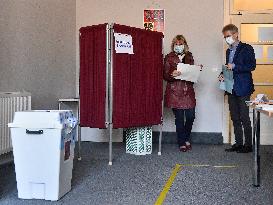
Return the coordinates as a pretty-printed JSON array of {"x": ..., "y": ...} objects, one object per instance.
[{"x": 245, "y": 62}]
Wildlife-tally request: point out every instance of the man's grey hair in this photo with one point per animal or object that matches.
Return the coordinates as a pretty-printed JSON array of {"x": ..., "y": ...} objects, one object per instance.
[{"x": 230, "y": 27}]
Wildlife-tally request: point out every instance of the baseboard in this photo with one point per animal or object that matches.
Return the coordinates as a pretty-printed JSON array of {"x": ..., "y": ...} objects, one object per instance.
[{"x": 196, "y": 138}]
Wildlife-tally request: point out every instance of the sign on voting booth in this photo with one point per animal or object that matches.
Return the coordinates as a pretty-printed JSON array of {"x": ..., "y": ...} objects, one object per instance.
[{"x": 123, "y": 43}]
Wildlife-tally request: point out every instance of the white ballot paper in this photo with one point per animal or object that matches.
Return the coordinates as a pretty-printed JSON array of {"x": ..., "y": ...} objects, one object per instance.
[{"x": 188, "y": 72}]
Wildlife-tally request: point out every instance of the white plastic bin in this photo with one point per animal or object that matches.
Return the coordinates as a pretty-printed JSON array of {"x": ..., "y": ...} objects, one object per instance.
[{"x": 43, "y": 149}]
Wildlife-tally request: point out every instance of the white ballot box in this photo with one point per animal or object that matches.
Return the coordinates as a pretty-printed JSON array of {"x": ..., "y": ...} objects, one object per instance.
[{"x": 43, "y": 149}]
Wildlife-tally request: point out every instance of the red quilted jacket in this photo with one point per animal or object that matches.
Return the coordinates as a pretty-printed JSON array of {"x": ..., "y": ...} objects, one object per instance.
[{"x": 179, "y": 93}]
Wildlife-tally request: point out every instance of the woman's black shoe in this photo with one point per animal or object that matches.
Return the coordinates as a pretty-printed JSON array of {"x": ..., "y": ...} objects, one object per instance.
[
  {"x": 245, "y": 149},
  {"x": 234, "y": 148}
]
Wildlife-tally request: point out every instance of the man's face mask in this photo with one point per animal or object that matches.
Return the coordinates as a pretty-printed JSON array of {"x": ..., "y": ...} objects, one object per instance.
[
  {"x": 229, "y": 40},
  {"x": 178, "y": 48}
]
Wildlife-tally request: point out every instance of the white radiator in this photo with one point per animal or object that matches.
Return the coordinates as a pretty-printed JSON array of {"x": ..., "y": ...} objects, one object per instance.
[{"x": 9, "y": 104}]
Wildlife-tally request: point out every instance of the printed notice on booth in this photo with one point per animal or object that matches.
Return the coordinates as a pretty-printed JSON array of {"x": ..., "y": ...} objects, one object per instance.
[{"x": 123, "y": 43}]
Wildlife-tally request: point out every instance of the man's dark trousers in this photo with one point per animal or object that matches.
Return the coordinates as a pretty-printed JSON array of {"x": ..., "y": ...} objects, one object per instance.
[{"x": 239, "y": 112}]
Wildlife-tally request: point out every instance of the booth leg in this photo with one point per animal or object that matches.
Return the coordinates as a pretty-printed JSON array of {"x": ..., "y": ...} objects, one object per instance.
[
  {"x": 79, "y": 144},
  {"x": 160, "y": 139},
  {"x": 110, "y": 144},
  {"x": 79, "y": 134}
]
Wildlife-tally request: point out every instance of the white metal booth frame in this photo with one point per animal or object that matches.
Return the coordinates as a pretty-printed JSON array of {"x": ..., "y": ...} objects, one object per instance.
[{"x": 109, "y": 92}]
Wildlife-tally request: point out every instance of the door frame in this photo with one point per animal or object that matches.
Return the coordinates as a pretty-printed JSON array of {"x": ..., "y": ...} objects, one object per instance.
[{"x": 237, "y": 19}]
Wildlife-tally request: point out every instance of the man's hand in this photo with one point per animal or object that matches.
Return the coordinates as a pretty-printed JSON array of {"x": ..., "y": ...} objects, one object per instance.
[
  {"x": 176, "y": 73},
  {"x": 229, "y": 66},
  {"x": 221, "y": 78}
]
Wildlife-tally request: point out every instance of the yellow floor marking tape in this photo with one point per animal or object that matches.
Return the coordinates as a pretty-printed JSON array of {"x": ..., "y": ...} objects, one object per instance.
[
  {"x": 229, "y": 166},
  {"x": 168, "y": 185},
  {"x": 206, "y": 165},
  {"x": 195, "y": 165},
  {"x": 175, "y": 171}
]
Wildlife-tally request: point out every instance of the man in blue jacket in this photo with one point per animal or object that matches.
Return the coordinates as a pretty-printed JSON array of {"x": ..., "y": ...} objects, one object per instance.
[{"x": 240, "y": 58}]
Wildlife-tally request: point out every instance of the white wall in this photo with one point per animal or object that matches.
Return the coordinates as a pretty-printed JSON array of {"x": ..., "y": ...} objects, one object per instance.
[
  {"x": 200, "y": 21},
  {"x": 38, "y": 50}
]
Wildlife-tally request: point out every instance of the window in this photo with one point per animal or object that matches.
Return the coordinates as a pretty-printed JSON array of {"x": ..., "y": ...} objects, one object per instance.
[
  {"x": 252, "y": 6},
  {"x": 260, "y": 36}
]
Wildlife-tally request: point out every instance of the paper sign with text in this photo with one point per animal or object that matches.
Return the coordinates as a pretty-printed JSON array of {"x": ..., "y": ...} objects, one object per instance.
[{"x": 123, "y": 43}]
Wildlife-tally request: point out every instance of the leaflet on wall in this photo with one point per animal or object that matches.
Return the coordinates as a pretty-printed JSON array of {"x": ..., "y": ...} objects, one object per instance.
[
  {"x": 154, "y": 19},
  {"x": 123, "y": 43},
  {"x": 188, "y": 72}
]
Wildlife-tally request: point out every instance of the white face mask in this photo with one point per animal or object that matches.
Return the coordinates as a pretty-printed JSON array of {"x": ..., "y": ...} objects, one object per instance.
[
  {"x": 229, "y": 40},
  {"x": 179, "y": 48}
]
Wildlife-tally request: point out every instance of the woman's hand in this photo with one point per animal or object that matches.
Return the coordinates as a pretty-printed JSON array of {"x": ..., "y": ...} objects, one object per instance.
[
  {"x": 176, "y": 73},
  {"x": 221, "y": 78}
]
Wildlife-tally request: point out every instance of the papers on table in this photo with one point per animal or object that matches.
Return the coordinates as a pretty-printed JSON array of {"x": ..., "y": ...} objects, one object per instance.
[
  {"x": 251, "y": 102},
  {"x": 188, "y": 72},
  {"x": 227, "y": 84},
  {"x": 265, "y": 107}
]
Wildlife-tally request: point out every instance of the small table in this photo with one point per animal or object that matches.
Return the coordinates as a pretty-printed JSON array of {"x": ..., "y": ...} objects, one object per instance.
[
  {"x": 256, "y": 140},
  {"x": 77, "y": 102}
]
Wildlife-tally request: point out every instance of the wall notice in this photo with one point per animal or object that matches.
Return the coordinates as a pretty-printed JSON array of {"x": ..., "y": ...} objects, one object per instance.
[{"x": 153, "y": 19}]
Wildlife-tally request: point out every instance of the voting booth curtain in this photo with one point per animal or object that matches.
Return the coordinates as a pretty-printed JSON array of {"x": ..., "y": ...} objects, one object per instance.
[
  {"x": 92, "y": 76},
  {"x": 137, "y": 78}
]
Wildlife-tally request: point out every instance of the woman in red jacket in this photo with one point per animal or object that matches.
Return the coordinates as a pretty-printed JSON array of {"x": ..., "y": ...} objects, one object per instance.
[{"x": 179, "y": 94}]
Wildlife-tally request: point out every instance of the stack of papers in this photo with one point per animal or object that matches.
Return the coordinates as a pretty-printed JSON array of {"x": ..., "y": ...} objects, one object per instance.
[{"x": 188, "y": 72}]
